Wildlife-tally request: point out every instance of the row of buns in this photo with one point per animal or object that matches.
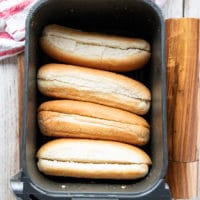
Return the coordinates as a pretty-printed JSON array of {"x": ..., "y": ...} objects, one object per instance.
[{"x": 94, "y": 121}]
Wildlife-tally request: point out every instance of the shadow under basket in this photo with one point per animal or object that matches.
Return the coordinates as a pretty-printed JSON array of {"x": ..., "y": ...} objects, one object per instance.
[{"x": 133, "y": 18}]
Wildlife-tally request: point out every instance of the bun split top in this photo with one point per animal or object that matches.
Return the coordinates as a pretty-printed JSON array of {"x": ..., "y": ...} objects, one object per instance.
[
  {"x": 97, "y": 159},
  {"x": 68, "y": 118},
  {"x": 85, "y": 84},
  {"x": 95, "y": 50}
]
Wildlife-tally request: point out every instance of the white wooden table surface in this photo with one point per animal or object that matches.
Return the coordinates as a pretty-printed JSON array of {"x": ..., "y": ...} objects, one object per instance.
[{"x": 9, "y": 128}]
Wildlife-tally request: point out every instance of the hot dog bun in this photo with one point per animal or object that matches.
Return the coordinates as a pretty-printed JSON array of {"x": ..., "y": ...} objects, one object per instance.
[
  {"x": 94, "y": 50},
  {"x": 92, "y": 85},
  {"x": 98, "y": 159},
  {"x": 67, "y": 118}
]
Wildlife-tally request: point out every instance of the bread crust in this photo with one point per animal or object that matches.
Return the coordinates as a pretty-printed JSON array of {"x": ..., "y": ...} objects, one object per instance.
[
  {"x": 86, "y": 158},
  {"x": 94, "y": 171},
  {"x": 97, "y": 86},
  {"x": 100, "y": 51},
  {"x": 92, "y": 110},
  {"x": 67, "y": 118}
]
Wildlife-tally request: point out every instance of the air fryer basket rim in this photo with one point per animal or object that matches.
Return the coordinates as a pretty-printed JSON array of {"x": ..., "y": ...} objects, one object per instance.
[{"x": 34, "y": 10}]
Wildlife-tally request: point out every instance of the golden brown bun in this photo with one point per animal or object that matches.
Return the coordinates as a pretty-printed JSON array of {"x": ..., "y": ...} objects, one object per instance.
[
  {"x": 94, "y": 50},
  {"x": 92, "y": 85},
  {"x": 67, "y": 118},
  {"x": 98, "y": 159}
]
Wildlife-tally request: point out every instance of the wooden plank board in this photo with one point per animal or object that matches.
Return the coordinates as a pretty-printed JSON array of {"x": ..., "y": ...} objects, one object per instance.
[
  {"x": 173, "y": 9},
  {"x": 20, "y": 64},
  {"x": 192, "y": 8},
  {"x": 9, "y": 127}
]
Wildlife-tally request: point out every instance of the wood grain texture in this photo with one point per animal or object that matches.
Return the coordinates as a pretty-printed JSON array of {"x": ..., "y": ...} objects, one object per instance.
[
  {"x": 182, "y": 48},
  {"x": 177, "y": 9},
  {"x": 9, "y": 137},
  {"x": 184, "y": 179},
  {"x": 20, "y": 75},
  {"x": 182, "y": 40}
]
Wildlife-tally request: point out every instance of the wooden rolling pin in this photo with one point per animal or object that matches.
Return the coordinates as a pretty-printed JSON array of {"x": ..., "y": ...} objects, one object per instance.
[{"x": 183, "y": 56}]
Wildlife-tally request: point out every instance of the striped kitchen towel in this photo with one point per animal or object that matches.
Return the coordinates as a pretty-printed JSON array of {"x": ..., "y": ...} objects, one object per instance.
[{"x": 12, "y": 25}]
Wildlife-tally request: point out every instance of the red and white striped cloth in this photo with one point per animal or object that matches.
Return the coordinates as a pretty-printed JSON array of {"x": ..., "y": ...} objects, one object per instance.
[{"x": 12, "y": 25}]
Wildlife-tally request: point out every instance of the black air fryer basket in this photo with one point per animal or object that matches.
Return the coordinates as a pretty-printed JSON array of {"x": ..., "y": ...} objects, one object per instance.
[{"x": 134, "y": 18}]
